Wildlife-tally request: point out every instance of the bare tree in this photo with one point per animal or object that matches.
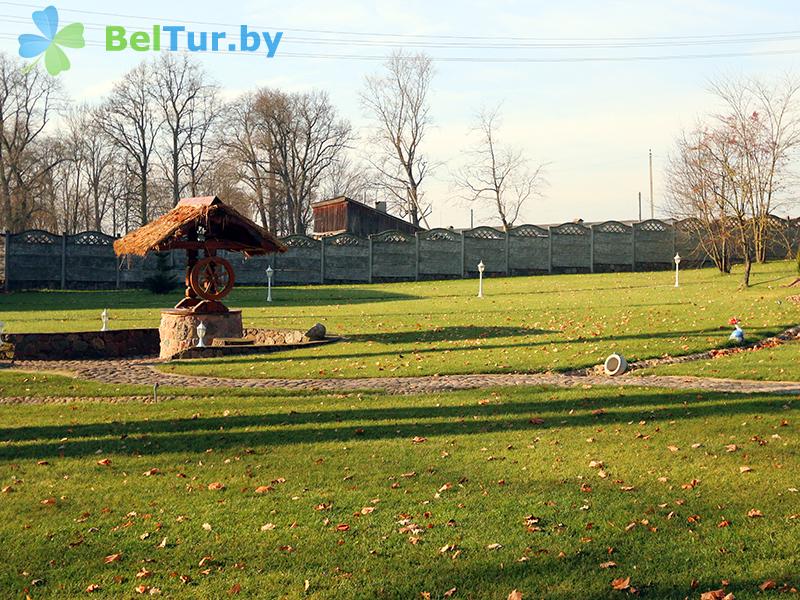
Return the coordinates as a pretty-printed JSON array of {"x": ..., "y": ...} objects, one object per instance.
[
  {"x": 764, "y": 121},
  {"x": 305, "y": 136},
  {"x": 28, "y": 100},
  {"x": 397, "y": 102},
  {"x": 245, "y": 147},
  {"x": 130, "y": 119},
  {"x": 189, "y": 107},
  {"x": 345, "y": 177},
  {"x": 499, "y": 175},
  {"x": 696, "y": 192}
]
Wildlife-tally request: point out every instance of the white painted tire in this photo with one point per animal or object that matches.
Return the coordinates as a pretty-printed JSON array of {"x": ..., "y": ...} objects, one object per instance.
[{"x": 615, "y": 365}]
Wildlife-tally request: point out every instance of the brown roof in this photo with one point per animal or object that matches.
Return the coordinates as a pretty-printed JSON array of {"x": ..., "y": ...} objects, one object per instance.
[{"x": 221, "y": 222}]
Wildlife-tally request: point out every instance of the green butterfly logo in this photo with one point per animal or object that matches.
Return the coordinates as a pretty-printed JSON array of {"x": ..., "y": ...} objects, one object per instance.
[{"x": 51, "y": 41}]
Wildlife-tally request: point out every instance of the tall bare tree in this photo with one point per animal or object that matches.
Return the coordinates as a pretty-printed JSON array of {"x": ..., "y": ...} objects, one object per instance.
[
  {"x": 305, "y": 136},
  {"x": 132, "y": 121},
  {"x": 246, "y": 147},
  {"x": 735, "y": 169},
  {"x": 498, "y": 175},
  {"x": 189, "y": 107},
  {"x": 397, "y": 102},
  {"x": 28, "y": 101}
]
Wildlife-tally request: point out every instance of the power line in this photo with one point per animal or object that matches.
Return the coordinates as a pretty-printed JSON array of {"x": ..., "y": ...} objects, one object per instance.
[
  {"x": 743, "y": 36},
  {"x": 497, "y": 60}
]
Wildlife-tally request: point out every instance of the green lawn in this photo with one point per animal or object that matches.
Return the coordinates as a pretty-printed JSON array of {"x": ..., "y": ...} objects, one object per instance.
[
  {"x": 352, "y": 508},
  {"x": 781, "y": 363},
  {"x": 424, "y": 328}
]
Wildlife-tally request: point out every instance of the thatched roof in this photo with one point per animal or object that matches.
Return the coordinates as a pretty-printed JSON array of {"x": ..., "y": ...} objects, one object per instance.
[{"x": 224, "y": 228}]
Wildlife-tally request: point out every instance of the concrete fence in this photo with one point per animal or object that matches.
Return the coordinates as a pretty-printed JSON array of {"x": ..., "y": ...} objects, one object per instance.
[{"x": 42, "y": 260}]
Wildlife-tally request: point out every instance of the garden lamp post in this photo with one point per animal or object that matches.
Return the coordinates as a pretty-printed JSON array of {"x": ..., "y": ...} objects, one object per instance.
[
  {"x": 269, "y": 283},
  {"x": 104, "y": 319},
  {"x": 201, "y": 333},
  {"x": 677, "y": 260},
  {"x": 481, "y": 269}
]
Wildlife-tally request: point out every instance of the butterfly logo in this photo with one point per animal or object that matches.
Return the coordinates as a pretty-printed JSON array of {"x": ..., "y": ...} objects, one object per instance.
[{"x": 51, "y": 41}]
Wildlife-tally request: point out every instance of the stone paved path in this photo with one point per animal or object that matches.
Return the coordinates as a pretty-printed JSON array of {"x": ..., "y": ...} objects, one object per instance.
[{"x": 143, "y": 371}]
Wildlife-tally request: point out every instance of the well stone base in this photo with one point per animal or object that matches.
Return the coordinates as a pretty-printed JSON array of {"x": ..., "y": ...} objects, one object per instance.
[{"x": 178, "y": 329}]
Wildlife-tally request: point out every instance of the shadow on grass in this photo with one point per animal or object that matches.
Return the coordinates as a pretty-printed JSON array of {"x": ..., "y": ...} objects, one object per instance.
[
  {"x": 58, "y": 300},
  {"x": 444, "y": 334},
  {"x": 152, "y": 437}
]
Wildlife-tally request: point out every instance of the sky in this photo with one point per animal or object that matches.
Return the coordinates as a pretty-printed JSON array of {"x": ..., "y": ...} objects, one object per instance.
[{"x": 576, "y": 89}]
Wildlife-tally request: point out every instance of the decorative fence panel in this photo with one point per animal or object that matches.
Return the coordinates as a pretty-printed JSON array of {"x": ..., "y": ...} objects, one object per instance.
[
  {"x": 346, "y": 258},
  {"x": 613, "y": 246},
  {"x": 487, "y": 245},
  {"x": 301, "y": 263},
  {"x": 655, "y": 243},
  {"x": 90, "y": 261},
  {"x": 440, "y": 254},
  {"x": 35, "y": 260},
  {"x": 528, "y": 250},
  {"x": 571, "y": 248},
  {"x": 394, "y": 256}
]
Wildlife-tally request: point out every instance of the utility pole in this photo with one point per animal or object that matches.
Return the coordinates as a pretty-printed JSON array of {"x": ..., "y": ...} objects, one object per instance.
[
  {"x": 652, "y": 208},
  {"x": 471, "y": 221},
  {"x": 640, "y": 207}
]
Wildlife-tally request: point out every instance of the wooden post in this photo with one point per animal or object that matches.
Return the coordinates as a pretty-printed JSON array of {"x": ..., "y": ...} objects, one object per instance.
[
  {"x": 369, "y": 237},
  {"x": 64, "y": 260},
  {"x": 416, "y": 256},
  {"x": 6, "y": 255},
  {"x": 322, "y": 260},
  {"x": 549, "y": 249}
]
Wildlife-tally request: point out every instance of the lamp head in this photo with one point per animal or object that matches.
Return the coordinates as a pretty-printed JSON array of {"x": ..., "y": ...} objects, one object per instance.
[
  {"x": 677, "y": 258},
  {"x": 481, "y": 267},
  {"x": 269, "y": 271}
]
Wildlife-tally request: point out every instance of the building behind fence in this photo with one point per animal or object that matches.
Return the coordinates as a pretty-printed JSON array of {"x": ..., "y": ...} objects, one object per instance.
[{"x": 41, "y": 260}]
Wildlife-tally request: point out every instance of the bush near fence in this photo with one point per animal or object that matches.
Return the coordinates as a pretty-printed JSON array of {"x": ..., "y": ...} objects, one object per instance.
[{"x": 38, "y": 259}]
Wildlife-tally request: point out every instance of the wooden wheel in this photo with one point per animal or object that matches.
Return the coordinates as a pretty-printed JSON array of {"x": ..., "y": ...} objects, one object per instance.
[{"x": 212, "y": 278}]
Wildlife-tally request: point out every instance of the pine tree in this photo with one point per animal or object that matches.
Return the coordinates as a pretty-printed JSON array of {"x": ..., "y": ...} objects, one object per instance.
[{"x": 163, "y": 280}]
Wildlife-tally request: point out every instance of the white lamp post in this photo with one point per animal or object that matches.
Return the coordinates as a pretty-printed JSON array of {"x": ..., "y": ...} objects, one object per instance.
[
  {"x": 677, "y": 260},
  {"x": 481, "y": 269},
  {"x": 269, "y": 283},
  {"x": 104, "y": 319},
  {"x": 201, "y": 333}
]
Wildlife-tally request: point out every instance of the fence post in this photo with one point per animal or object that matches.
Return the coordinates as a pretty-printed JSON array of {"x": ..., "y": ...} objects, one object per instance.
[
  {"x": 508, "y": 261},
  {"x": 322, "y": 260},
  {"x": 549, "y": 249},
  {"x": 64, "y": 260},
  {"x": 591, "y": 248},
  {"x": 6, "y": 255},
  {"x": 463, "y": 258},
  {"x": 416, "y": 256},
  {"x": 633, "y": 247},
  {"x": 369, "y": 237}
]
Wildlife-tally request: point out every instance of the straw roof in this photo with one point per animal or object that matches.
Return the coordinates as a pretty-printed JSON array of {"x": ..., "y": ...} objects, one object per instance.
[{"x": 223, "y": 225}]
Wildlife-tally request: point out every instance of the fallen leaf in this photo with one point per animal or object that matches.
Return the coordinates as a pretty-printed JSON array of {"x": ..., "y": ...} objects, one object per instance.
[
  {"x": 111, "y": 558},
  {"x": 494, "y": 546},
  {"x": 621, "y": 583},
  {"x": 754, "y": 513},
  {"x": 515, "y": 595},
  {"x": 263, "y": 489},
  {"x": 608, "y": 565},
  {"x": 745, "y": 469},
  {"x": 418, "y": 440},
  {"x": 217, "y": 485},
  {"x": 769, "y": 584},
  {"x": 104, "y": 462},
  {"x": 93, "y": 587}
]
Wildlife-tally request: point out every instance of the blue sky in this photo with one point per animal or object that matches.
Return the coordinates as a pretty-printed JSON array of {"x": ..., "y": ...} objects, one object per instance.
[{"x": 592, "y": 121}]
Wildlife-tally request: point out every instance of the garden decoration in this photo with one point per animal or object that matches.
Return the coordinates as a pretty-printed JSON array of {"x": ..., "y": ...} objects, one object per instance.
[
  {"x": 615, "y": 364},
  {"x": 202, "y": 225},
  {"x": 737, "y": 336}
]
